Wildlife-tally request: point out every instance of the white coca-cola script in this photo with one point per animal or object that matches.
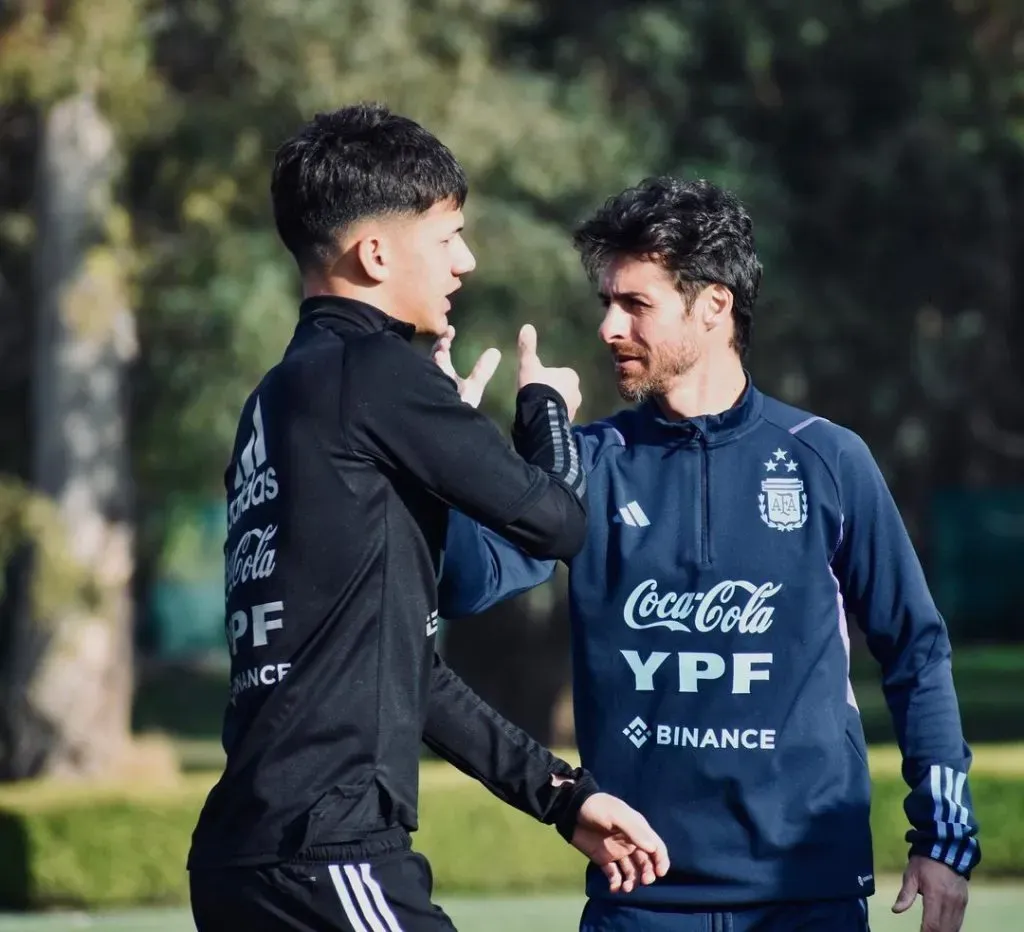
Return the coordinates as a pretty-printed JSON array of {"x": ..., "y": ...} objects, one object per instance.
[
  {"x": 730, "y": 604},
  {"x": 252, "y": 558}
]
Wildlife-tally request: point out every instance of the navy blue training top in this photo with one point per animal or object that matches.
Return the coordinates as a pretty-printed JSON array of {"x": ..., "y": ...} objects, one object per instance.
[{"x": 710, "y": 649}]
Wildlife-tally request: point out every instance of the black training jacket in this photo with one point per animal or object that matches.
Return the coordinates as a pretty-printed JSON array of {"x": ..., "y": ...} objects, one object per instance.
[{"x": 346, "y": 459}]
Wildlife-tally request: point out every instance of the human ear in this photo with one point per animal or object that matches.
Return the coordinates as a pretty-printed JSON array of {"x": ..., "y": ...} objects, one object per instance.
[
  {"x": 373, "y": 253},
  {"x": 716, "y": 306}
]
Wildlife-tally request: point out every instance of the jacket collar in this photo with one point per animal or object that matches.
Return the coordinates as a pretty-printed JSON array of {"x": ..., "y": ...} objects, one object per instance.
[
  {"x": 346, "y": 315},
  {"x": 713, "y": 428}
]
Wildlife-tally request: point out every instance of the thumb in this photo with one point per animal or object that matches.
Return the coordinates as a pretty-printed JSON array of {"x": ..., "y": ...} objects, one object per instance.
[
  {"x": 527, "y": 342},
  {"x": 907, "y": 894}
]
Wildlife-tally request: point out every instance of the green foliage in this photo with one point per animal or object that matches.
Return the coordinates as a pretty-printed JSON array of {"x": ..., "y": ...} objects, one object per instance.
[
  {"x": 50, "y": 51},
  {"x": 113, "y": 846},
  {"x": 30, "y": 520},
  {"x": 875, "y": 144}
]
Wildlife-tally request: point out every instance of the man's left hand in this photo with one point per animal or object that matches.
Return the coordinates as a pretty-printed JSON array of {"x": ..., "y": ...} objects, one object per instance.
[
  {"x": 620, "y": 841},
  {"x": 943, "y": 891}
]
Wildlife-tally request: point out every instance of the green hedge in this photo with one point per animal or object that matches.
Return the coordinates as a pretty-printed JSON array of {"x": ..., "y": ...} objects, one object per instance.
[{"x": 95, "y": 848}]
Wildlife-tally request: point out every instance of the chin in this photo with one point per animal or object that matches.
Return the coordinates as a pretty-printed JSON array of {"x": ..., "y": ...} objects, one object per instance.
[
  {"x": 436, "y": 327},
  {"x": 634, "y": 390},
  {"x": 432, "y": 326}
]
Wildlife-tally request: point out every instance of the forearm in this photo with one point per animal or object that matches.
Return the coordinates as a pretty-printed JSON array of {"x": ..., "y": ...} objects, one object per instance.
[
  {"x": 542, "y": 435},
  {"x": 936, "y": 760},
  {"x": 418, "y": 427},
  {"x": 882, "y": 582},
  {"x": 473, "y": 737},
  {"x": 482, "y": 569}
]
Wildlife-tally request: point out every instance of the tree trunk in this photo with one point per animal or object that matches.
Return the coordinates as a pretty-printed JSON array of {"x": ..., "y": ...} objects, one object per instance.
[{"x": 68, "y": 683}]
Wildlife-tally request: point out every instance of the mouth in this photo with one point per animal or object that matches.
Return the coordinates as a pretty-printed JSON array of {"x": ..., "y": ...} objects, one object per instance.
[{"x": 448, "y": 296}]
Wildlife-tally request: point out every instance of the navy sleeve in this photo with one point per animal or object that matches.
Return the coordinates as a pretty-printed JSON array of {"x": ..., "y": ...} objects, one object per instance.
[
  {"x": 482, "y": 569},
  {"x": 883, "y": 585}
]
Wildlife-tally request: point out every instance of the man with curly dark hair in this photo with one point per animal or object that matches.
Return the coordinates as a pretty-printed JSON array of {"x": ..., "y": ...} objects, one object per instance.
[{"x": 730, "y": 535}]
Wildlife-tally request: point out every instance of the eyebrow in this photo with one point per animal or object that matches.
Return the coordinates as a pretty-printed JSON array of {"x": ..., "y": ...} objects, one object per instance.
[{"x": 606, "y": 296}]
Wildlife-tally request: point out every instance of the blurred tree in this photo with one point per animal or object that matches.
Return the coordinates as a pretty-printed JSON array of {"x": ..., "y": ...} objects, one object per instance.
[
  {"x": 878, "y": 144},
  {"x": 67, "y": 680}
]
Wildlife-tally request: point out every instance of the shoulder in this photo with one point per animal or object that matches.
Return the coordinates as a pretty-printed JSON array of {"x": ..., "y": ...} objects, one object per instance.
[
  {"x": 385, "y": 369},
  {"x": 830, "y": 441},
  {"x": 840, "y": 452},
  {"x": 609, "y": 433},
  {"x": 383, "y": 352}
]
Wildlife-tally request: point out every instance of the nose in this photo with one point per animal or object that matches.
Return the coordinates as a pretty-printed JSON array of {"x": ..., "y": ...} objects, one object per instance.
[
  {"x": 615, "y": 325},
  {"x": 463, "y": 260}
]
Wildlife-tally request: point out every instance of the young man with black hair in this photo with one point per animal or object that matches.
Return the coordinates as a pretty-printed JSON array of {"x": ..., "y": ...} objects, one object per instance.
[
  {"x": 347, "y": 457},
  {"x": 729, "y": 535}
]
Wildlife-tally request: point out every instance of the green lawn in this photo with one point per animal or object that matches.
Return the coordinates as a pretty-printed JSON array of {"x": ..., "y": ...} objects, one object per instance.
[
  {"x": 988, "y": 684},
  {"x": 995, "y": 908}
]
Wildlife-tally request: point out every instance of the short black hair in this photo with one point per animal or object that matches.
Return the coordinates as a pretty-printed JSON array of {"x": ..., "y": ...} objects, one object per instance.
[
  {"x": 698, "y": 232},
  {"x": 357, "y": 162}
]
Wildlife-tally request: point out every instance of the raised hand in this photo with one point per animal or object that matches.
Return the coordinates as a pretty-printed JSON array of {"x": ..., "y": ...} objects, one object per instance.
[
  {"x": 471, "y": 388},
  {"x": 565, "y": 381}
]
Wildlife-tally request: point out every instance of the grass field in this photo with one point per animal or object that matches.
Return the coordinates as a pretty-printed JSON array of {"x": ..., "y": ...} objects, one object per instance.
[
  {"x": 993, "y": 908},
  {"x": 186, "y": 706}
]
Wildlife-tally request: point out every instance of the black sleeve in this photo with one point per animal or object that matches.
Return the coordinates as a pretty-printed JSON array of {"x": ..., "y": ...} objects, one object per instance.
[
  {"x": 468, "y": 733},
  {"x": 410, "y": 418}
]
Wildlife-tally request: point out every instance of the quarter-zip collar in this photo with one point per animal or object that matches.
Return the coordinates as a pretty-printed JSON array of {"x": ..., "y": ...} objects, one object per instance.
[
  {"x": 714, "y": 429},
  {"x": 346, "y": 315}
]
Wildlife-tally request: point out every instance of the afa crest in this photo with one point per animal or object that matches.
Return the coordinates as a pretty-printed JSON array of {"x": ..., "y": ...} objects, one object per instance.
[{"x": 783, "y": 499}]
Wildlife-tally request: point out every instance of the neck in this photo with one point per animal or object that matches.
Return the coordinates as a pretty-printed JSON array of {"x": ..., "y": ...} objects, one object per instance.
[
  {"x": 711, "y": 386},
  {"x": 316, "y": 283}
]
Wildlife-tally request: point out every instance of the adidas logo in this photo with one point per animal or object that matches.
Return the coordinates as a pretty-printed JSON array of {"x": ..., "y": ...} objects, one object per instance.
[
  {"x": 254, "y": 485},
  {"x": 431, "y": 624},
  {"x": 633, "y": 515}
]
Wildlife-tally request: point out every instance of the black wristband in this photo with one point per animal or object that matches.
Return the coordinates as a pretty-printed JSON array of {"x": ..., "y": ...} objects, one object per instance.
[{"x": 576, "y": 794}]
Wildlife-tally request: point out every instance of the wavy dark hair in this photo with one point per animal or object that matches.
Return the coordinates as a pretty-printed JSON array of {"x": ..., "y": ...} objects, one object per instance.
[{"x": 698, "y": 232}]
